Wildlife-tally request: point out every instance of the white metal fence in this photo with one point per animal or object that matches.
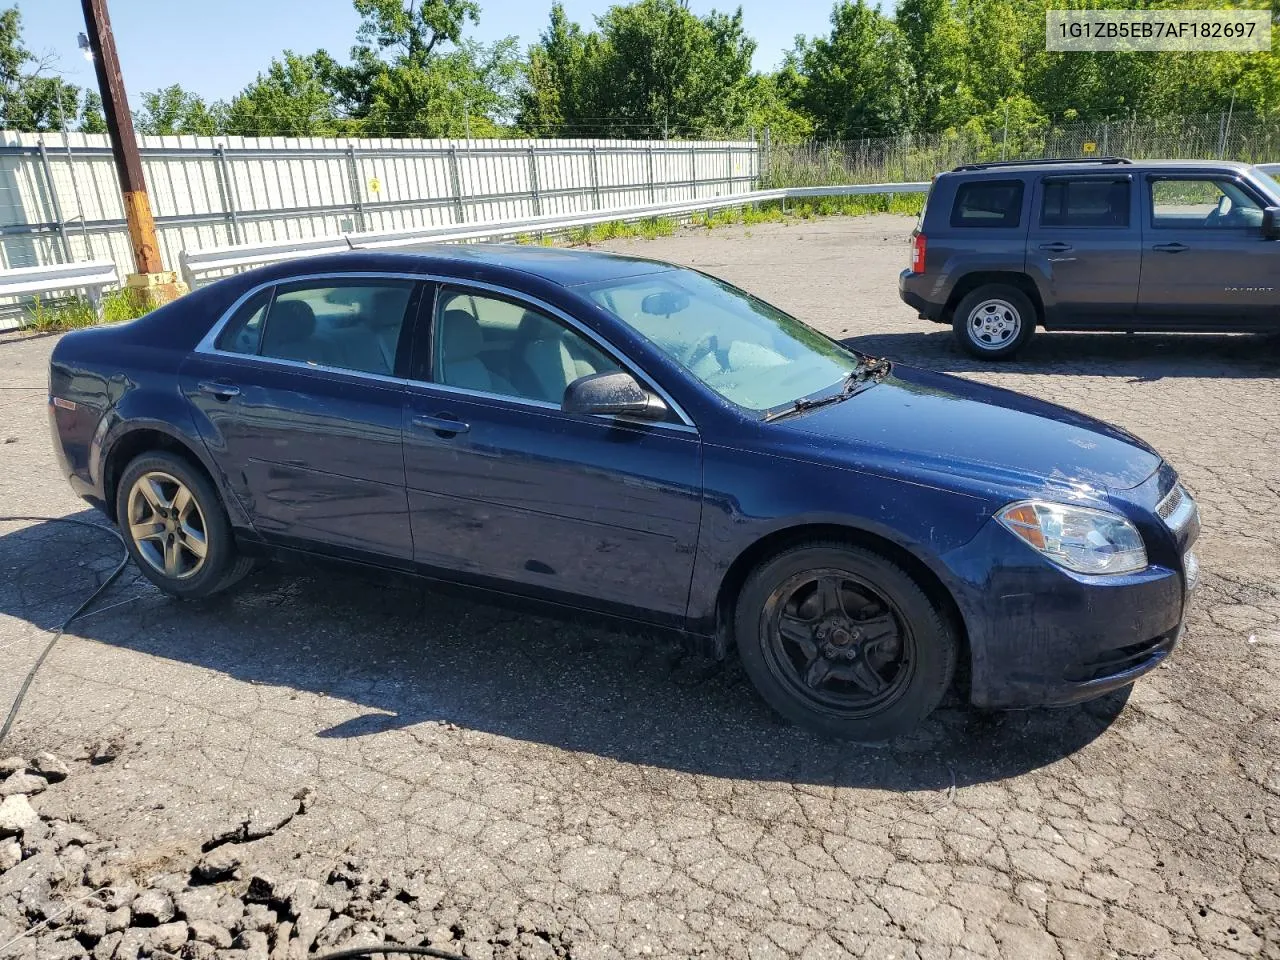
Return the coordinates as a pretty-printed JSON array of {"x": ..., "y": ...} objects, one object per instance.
[{"x": 60, "y": 200}]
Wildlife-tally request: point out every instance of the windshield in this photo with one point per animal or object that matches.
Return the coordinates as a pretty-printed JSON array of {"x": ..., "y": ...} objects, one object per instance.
[
  {"x": 1268, "y": 181},
  {"x": 748, "y": 352}
]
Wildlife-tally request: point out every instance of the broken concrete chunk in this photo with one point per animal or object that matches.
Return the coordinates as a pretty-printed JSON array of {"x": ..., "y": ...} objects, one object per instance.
[
  {"x": 262, "y": 889},
  {"x": 10, "y": 854},
  {"x": 255, "y": 945},
  {"x": 219, "y": 864},
  {"x": 169, "y": 936},
  {"x": 118, "y": 920},
  {"x": 10, "y": 765},
  {"x": 50, "y": 767},
  {"x": 22, "y": 783},
  {"x": 16, "y": 815},
  {"x": 206, "y": 931},
  {"x": 152, "y": 909}
]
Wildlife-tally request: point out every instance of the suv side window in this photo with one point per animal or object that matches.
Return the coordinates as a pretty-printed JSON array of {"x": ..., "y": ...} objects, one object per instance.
[
  {"x": 1179, "y": 204},
  {"x": 1088, "y": 202},
  {"x": 988, "y": 203}
]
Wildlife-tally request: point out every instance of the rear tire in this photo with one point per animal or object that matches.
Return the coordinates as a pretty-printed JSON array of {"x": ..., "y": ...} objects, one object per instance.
[
  {"x": 175, "y": 527},
  {"x": 994, "y": 322},
  {"x": 844, "y": 642}
]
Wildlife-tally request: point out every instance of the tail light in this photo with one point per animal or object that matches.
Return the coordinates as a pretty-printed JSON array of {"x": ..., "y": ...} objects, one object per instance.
[{"x": 917, "y": 253}]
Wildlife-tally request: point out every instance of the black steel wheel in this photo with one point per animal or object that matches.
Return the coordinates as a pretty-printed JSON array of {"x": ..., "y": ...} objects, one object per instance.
[{"x": 844, "y": 642}]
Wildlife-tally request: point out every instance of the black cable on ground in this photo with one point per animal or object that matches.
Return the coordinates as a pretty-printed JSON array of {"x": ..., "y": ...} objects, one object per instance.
[
  {"x": 355, "y": 953},
  {"x": 57, "y": 634}
]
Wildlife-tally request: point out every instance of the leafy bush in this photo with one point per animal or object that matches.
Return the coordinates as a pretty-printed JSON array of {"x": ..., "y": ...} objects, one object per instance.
[{"x": 76, "y": 312}]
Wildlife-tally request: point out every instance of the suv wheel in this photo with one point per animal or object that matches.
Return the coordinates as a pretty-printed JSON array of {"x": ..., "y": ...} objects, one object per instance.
[{"x": 994, "y": 321}]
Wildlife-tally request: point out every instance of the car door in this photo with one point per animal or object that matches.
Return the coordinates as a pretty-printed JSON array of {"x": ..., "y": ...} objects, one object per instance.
[
  {"x": 1086, "y": 244},
  {"x": 507, "y": 489},
  {"x": 298, "y": 397},
  {"x": 1205, "y": 261}
]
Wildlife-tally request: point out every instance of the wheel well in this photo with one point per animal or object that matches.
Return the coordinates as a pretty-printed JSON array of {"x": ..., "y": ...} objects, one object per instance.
[
  {"x": 131, "y": 445},
  {"x": 773, "y": 544},
  {"x": 970, "y": 282}
]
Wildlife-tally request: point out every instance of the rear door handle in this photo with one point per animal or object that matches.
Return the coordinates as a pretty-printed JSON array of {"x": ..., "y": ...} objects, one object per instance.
[
  {"x": 1174, "y": 247},
  {"x": 219, "y": 389},
  {"x": 1056, "y": 247},
  {"x": 445, "y": 425}
]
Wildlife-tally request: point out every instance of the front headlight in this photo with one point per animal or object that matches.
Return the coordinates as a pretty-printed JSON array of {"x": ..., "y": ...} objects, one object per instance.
[{"x": 1080, "y": 539}]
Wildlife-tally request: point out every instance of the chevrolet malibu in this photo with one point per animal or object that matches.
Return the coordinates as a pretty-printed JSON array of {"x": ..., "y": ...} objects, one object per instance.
[{"x": 621, "y": 436}]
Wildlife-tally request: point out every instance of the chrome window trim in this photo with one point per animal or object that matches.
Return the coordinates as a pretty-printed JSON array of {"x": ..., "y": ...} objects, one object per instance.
[{"x": 208, "y": 344}]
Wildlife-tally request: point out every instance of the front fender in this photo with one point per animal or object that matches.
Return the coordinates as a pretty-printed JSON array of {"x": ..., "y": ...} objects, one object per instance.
[{"x": 750, "y": 496}]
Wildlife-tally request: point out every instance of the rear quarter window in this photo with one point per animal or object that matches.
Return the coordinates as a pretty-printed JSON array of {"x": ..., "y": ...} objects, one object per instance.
[{"x": 988, "y": 203}]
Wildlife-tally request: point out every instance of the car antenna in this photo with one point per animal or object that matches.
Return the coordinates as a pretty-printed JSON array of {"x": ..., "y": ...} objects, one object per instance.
[{"x": 347, "y": 237}]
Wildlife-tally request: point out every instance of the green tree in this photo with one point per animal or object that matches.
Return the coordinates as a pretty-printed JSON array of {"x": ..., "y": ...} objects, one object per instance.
[
  {"x": 935, "y": 41},
  {"x": 415, "y": 74},
  {"x": 651, "y": 67},
  {"x": 29, "y": 99},
  {"x": 857, "y": 79},
  {"x": 174, "y": 110},
  {"x": 91, "y": 116},
  {"x": 294, "y": 98}
]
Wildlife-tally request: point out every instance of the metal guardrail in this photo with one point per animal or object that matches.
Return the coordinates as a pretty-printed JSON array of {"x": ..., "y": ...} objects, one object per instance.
[
  {"x": 222, "y": 259},
  {"x": 91, "y": 276}
]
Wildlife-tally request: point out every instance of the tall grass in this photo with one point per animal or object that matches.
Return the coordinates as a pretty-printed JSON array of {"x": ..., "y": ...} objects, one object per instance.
[{"x": 77, "y": 312}]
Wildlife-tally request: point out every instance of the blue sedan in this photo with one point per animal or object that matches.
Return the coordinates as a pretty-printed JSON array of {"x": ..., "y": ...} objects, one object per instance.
[{"x": 622, "y": 436}]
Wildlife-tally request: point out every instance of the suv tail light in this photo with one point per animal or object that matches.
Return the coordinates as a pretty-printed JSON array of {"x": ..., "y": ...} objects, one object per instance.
[{"x": 917, "y": 253}]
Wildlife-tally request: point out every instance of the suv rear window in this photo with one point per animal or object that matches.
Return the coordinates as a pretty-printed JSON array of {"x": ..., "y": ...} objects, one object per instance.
[
  {"x": 1085, "y": 203},
  {"x": 988, "y": 203}
]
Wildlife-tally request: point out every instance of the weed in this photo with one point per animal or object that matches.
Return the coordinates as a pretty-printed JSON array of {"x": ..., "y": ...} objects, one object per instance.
[{"x": 77, "y": 312}]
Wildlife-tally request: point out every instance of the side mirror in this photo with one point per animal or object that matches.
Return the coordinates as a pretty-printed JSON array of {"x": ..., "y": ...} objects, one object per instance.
[
  {"x": 1271, "y": 223},
  {"x": 612, "y": 394}
]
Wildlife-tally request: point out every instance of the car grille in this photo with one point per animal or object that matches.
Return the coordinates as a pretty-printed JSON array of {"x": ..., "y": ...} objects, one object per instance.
[{"x": 1171, "y": 502}]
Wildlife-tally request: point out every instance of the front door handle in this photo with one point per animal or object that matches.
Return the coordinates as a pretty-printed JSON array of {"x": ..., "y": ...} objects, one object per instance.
[
  {"x": 220, "y": 389},
  {"x": 1056, "y": 247},
  {"x": 442, "y": 425},
  {"x": 1174, "y": 247}
]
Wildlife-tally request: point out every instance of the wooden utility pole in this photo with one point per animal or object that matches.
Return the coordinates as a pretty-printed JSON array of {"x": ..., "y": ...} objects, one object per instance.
[{"x": 124, "y": 148}]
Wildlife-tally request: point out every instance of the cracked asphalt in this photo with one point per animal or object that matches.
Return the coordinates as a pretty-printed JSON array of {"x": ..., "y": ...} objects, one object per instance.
[{"x": 558, "y": 790}]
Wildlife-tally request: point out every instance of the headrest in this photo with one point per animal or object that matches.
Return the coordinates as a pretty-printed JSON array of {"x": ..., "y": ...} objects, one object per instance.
[
  {"x": 386, "y": 309},
  {"x": 291, "y": 321},
  {"x": 533, "y": 326},
  {"x": 460, "y": 336}
]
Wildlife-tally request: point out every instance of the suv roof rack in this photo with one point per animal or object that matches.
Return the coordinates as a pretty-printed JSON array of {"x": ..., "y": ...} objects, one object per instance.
[{"x": 1033, "y": 163}]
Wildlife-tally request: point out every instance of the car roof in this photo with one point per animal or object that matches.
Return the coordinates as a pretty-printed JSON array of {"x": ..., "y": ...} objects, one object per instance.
[
  {"x": 1087, "y": 167},
  {"x": 553, "y": 264}
]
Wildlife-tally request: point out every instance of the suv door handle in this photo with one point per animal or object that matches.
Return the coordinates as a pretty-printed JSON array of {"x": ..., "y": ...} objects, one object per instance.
[
  {"x": 442, "y": 425},
  {"x": 1056, "y": 247},
  {"x": 1174, "y": 247},
  {"x": 219, "y": 389}
]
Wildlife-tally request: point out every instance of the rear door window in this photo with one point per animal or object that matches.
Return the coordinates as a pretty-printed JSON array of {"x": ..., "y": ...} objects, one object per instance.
[
  {"x": 988, "y": 203},
  {"x": 1085, "y": 203}
]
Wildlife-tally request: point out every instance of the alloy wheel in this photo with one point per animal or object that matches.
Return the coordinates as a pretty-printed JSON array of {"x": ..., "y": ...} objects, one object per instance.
[{"x": 167, "y": 526}]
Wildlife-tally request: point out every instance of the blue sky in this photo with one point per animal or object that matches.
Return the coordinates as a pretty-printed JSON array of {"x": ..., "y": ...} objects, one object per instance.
[{"x": 215, "y": 48}]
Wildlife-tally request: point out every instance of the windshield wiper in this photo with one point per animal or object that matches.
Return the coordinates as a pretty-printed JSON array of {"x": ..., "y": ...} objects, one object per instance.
[{"x": 869, "y": 369}]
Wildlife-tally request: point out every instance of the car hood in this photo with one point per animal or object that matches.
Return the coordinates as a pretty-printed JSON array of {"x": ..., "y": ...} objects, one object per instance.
[{"x": 922, "y": 423}]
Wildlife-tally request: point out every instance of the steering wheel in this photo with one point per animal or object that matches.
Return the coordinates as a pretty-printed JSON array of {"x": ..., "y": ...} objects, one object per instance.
[{"x": 706, "y": 344}]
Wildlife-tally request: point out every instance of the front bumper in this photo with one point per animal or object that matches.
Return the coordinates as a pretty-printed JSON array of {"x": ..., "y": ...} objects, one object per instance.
[{"x": 1043, "y": 636}]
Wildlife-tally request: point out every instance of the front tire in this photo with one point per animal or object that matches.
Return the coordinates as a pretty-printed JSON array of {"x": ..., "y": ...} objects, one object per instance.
[
  {"x": 844, "y": 642},
  {"x": 175, "y": 527},
  {"x": 994, "y": 322}
]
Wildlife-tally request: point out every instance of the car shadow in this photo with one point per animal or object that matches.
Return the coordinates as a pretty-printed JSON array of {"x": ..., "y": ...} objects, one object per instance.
[
  {"x": 404, "y": 655},
  {"x": 1138, "y": 357}
]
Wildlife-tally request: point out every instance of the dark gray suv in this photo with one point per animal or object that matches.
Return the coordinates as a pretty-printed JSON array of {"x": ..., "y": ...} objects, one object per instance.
[{"x": 1105, "y": 244}]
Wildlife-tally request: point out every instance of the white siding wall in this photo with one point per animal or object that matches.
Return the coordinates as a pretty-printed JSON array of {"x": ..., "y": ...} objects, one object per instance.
[{"x": 287, "y": 188}]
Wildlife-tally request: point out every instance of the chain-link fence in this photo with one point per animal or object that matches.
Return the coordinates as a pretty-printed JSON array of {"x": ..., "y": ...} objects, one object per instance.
[{"x": 915, "y": 157}]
